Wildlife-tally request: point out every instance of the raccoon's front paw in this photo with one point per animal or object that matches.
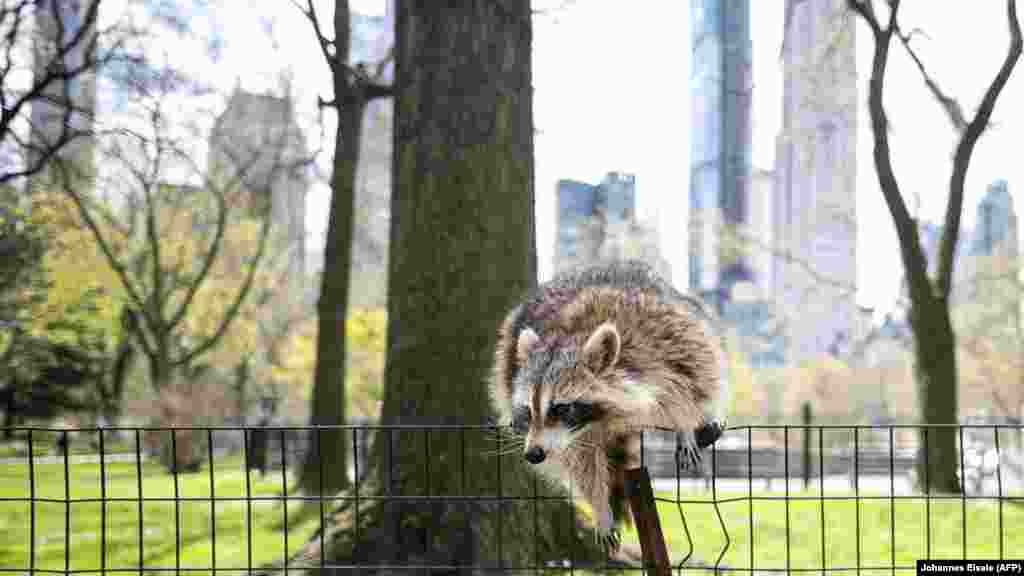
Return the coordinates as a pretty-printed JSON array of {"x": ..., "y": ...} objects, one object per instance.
[
  {"x": 606, "y": 533},
  {"x": 612, "y": 540},
  {"x": 691, "y": 445},
  {"x": 708, "y": 434}
]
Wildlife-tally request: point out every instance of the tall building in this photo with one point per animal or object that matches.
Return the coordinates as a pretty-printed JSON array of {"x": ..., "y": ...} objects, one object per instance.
[
  {"x": 257, "y": 139},
  {"x": 759, "y": 235},
  {"x": 814, "y": 215},
  {"x": 593, "y": 220},
  {"x": 58, "y": 25},
  {"x": 995, "y": 229},
  {"x": 720, "y": 170},
  {"x": 574, "y": 239},
  {"x": 986, "y": 289}
]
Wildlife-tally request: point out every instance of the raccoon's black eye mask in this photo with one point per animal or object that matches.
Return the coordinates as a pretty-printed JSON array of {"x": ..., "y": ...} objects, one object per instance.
[
  {"x": 574, "y": 415},
  {"x": 521, "y": 420}
]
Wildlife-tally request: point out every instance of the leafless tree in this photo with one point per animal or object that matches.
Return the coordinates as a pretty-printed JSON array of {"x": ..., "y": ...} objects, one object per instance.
[
  {"x": 149, "y": 192},
  {"x": 934, "y": 338},
  {"x": 354, "y": 87}
]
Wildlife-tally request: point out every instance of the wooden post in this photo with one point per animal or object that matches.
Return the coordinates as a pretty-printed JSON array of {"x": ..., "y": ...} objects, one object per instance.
[{"x": 648, "y": 526}]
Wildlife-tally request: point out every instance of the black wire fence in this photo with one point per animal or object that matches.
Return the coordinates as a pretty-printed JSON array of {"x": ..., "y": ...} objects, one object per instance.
[{"x": 765, "y": 499}]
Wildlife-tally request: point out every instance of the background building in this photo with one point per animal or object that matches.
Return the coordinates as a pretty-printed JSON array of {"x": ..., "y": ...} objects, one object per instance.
[
  {"x": 54, "y": 30},
  {"x": 814, "y": 216},
  {"x": 720, "y": 167},
  {"x": 575, "y": 239},
  {"x": 987, "y": 287},
  {"x": 258, "y": 138},
  {"x": 995, "y": 228},
  {"x": 599, "y": 221}
]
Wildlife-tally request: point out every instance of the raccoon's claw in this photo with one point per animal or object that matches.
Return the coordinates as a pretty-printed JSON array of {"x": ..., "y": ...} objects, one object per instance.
[
  {"x": 612, "y": 540},
  {"x": 690, "y": 449},
  {"x": 688, "y": 455}
]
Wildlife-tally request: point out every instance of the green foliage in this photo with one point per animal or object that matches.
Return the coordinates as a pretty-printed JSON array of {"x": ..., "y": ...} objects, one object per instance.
[
  {"x": 22, "y": 246},
  {"x": 57, "y": 312},
  {"x": 83, "y": 296},
  {"x": 366, "y": 330}
]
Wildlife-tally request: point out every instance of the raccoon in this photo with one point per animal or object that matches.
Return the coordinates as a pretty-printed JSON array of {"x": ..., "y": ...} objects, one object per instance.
[{"x": 590, "y": 358}]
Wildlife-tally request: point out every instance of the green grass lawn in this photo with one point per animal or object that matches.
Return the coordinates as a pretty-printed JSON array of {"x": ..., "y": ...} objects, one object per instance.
[
  {"x": 160, "y": 531},
  {"x": 767, "y": 536},
  {"x": 880, "y": 545}
]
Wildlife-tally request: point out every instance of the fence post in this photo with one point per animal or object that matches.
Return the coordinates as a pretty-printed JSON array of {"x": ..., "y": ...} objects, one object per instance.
[
  {"x": 805, "y": 414},
  {"x": 648, "y": 526}
]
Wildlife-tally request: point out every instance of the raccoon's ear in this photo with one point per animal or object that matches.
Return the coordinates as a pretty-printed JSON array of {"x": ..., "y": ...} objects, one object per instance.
[
  {"x": 528, "y": 339},
  {"x": 601, "y": 351}
]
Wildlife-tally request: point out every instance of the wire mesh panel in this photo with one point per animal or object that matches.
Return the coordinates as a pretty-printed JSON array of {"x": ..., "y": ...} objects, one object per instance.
[{"x": 763, "y": 499}]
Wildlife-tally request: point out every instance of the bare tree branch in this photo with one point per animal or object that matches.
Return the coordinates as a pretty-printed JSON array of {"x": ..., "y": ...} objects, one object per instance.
[
  {"x": 86, "y": 214},
  {"x": 845, "y": 288},
  {"x": 52, "y": 72},
  {"x": 949, "y": 104},
  {"x": 55, "y": 70},
  {"x": 328, "y": 47},
  {"x": 965, "y": 149},
  {"x": 219, "y": 191},
  {"x": 236, "y": 305},
  {"x": 906, "y": 228},
  {"x": 866, "y": 9}
]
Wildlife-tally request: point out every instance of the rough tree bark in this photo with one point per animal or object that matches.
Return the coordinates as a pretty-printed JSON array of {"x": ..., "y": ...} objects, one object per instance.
[
  {"x": 934, "y": 337},
  {"x": 461, "y": 255},
  {"x": 353, "y": 89}
]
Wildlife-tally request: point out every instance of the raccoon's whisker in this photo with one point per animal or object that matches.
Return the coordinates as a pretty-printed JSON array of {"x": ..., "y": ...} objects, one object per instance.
[
  {"x": 584, "y": 443},
  {"x": 505, "y": 436},
  {"x": 511, "y": 445},
  {"x": 503, "y": 452}
]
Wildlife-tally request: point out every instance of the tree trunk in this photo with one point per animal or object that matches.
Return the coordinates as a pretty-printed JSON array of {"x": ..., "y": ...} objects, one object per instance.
[
  {"x": 328, "y": 408},
  {"x": 242, "y": 389},
  {"x": 461, "y": 256},
  {"x": 935, "y": 371},
  {"x": 124, "y": 359},
  {"x": 327, "y": 459},
  {"x": 160, "y": 369}
]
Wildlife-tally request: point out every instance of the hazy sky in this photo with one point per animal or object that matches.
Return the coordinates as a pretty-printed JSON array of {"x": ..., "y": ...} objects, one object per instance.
[{"x": 612, "y": 93}]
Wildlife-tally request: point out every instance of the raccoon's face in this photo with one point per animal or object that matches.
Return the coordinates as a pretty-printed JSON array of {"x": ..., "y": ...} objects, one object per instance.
[{"x": 550, "y": 408}]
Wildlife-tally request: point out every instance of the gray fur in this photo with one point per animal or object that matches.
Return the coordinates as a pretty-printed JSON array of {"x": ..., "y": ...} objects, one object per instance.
[{"x": 664, "y": 368}]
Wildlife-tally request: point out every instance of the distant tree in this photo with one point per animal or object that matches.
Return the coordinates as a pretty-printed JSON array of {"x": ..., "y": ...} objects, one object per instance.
[
  {"x": 934, "y": 338},
  {"x": 58, "y": 314},
  {"x": 81, "y": 306},
  {"x": 56, "y": 58},
  {"x": 178, "y": 250},
  {"x": 354, "y": 87},
  {"x": 990, "y": 333}
]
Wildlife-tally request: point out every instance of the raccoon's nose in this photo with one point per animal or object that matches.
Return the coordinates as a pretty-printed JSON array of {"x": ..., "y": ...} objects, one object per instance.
[{"x": 535, "y": 455}]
